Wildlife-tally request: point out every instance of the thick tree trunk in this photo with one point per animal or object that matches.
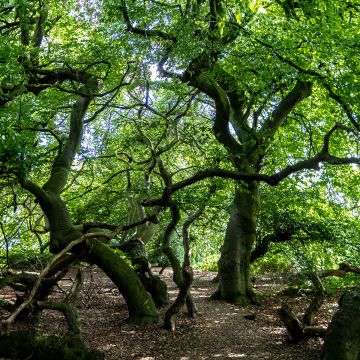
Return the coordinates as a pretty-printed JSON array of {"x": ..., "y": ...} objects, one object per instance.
[
  {"x": 342, "y": 340},
  {"x": 135, "y": 249},
  {"x": 133, "y": 245},
  {"x": 234, "y": 278},
  {"x": 140, "y": 304},
  {"x": 62, "y": 231}
]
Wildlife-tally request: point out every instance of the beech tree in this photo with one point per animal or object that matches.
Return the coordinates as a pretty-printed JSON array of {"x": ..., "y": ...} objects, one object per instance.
[
  {"x": 258, "y": 62},
  {"x": 276, "y": 80},
  {"x": 31, "y": 70}
]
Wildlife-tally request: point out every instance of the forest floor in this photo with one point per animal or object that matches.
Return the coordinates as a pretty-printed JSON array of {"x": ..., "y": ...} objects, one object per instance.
[{"x": 219, "y": 332}]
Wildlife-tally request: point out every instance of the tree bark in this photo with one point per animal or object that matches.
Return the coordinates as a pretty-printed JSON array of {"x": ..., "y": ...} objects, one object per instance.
[
  {"x": 141, "y": 307},
  {"x": 178, "y": 277},
  {"x": 297, "y": 329},
  {"x": 183, "y": 295},
  {"x": 135, "y": 249},
  {"x": 342, "y": 340},
  {"x": 292, "y": 323},
  {"x": 234, "y": 278},
  {"x": 140, "y": 304},
  {"x": 316, "y": 302}
]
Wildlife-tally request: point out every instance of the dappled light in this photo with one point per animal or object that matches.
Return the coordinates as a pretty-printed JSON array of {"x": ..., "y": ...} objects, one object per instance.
[{"x": 179, "y": 180}]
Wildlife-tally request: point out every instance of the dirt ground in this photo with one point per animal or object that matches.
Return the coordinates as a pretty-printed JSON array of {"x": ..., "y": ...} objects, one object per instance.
[{"x": 219, "y": 332}]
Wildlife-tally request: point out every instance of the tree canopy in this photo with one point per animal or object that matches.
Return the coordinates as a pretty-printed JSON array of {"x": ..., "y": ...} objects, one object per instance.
[{"x": 122, "y": 121}]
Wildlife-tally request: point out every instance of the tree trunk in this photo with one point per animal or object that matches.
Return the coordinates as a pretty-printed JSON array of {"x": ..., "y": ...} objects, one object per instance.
[
  {"x": 140, "y": 304},
  {"x": 342, "y": 340},
  {"x": 62, "y": 231},
  {"x": 234, "y": 278},
  {"x": 183, "y": 295},
  {"x": 133, "y": 245},
  {"x": 135, "y": 249},
  {"x": 292, "y": 323},
  {"x": 141, "y": 307}
]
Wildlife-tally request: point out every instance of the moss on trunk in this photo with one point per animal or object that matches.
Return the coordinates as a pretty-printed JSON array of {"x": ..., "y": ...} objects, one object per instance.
[
  {"x": 135, "y": 249},
  {"x": 342, "y": 340},
  {"x": 234, "y": 264},
  {"x": 62, "y": 231},
  {"x": 141, "y": 306},
  {"x": 30, "y": 345}
]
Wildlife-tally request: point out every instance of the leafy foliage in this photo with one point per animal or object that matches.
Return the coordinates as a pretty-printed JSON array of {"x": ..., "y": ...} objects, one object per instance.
[{"x": 148, "y": 110}]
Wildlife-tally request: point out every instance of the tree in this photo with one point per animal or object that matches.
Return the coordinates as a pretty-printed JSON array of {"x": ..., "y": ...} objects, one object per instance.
[
  {"x": 258, "y": 63},
  {"x": 36, "y": 79}
]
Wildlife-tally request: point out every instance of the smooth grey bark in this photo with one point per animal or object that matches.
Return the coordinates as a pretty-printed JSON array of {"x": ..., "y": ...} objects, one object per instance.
[{"x": 234, "y": 264}]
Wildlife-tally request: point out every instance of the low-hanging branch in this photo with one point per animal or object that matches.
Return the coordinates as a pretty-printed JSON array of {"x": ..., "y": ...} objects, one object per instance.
[
  {"x": 312, "y": 164},
  {"x": 340, "y": 272}
]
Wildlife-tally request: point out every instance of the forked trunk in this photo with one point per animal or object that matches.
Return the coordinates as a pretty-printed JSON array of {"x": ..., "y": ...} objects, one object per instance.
[{"x": 234, "y": 264}]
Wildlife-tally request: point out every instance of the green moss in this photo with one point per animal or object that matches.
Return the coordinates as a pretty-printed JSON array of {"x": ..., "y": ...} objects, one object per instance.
[
  {"x": 30, "y": 345},
  {"x": 142, "y": 309}
]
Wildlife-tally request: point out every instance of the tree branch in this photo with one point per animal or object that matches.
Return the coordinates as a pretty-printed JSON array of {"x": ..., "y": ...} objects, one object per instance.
[
  {"x": 62, "y": 163},
  {"x": 301, "y": 91},
  {"x": 221, "y": 124},
  {"x": 312, "y": 163},
  {"x": 338, "y": 98},
  {"x": 143, "y": 32}
]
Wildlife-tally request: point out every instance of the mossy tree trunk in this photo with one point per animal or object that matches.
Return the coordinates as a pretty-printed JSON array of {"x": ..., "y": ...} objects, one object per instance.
[
  {"x": 133, "y": 245},
  {"x": 134, "y": 240},
  {"x": 234, "y": 264},
  {"x": 62, "y": 231},
  {"x": 140, "y": 304},
  {"x": 342, "y": 340}
]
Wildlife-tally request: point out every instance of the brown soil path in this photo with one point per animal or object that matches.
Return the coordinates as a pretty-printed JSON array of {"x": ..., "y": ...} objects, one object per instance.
[{"x": 219, "y": 332}]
